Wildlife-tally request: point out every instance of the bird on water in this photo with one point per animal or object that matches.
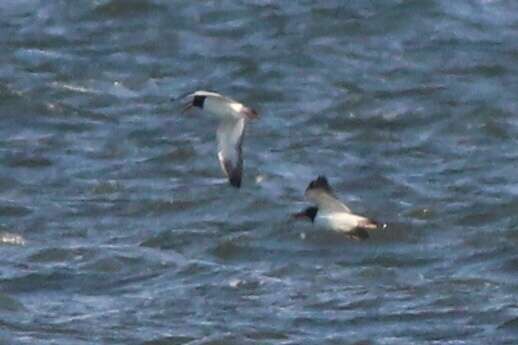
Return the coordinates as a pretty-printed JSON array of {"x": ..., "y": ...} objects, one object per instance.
[
  {"x": 330, "y": 213},
  {"x": 233, "y": 117}
]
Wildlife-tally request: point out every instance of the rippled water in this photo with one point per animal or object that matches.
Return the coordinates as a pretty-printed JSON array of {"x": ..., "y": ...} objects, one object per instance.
[{"x": 117, "y": 226}]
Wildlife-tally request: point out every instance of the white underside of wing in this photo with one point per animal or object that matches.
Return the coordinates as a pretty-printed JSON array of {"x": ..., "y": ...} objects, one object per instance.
[{"x": 230, "y": 137}]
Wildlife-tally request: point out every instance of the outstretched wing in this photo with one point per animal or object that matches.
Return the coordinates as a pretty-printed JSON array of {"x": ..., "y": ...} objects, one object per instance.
[
  {"x": 197, "y": 99},
  {"x": 230, "y": 138},
  {"x": 191, "y": 95},
  {"x": 320, "y": 193},
  {"x": 211, "y": 94}
]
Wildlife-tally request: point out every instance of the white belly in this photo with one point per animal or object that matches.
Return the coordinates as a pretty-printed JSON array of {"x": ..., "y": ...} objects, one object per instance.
[{"x": 343, "y": 222}]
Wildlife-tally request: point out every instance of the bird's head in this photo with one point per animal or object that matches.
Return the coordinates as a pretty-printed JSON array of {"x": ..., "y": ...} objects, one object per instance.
[
  {"x": 197, "y": 101},
  {"x": 309, "y": 214}
]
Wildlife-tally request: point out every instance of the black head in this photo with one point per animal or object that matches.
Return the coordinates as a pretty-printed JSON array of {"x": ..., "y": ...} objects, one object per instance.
[
  {"x": 309, "y": 213},
  {"x": 319, "y": 183},
  {"x": 198, "y": 101}
]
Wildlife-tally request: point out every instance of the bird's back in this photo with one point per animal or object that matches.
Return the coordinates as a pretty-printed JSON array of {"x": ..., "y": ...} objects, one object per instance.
[{"x": 224, "y": 108}]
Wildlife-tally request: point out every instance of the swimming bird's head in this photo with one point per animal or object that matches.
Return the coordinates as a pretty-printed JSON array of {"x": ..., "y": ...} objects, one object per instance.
[{"x": 309, "y": 213}]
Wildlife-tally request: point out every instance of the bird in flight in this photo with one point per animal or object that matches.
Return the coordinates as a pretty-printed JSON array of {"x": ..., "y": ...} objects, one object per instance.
[{"x": 233, "y": 117}]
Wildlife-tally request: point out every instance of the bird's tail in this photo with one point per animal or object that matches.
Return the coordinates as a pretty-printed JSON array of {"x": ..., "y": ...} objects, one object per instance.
[{"x": 370, "y": 224}]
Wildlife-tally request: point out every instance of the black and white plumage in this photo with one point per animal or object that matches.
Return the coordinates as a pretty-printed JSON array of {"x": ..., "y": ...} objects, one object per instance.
[
  {"x": 233, "y": 117},
  {"x": 331, "y": 213}
]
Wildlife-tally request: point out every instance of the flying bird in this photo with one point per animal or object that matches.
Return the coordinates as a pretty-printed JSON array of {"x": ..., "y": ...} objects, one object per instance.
[
  {"x": 331, "y": 213},
  {"x": 233, "y": 117}
]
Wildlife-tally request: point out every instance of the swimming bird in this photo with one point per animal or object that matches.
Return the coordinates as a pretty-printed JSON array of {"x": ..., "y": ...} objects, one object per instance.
[
  {"x": 233, "y": 117},
  {"x": 331, "y": 213}
]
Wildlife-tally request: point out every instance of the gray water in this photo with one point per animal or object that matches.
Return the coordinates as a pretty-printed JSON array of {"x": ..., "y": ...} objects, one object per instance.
[{"x": 118, "y": 227}]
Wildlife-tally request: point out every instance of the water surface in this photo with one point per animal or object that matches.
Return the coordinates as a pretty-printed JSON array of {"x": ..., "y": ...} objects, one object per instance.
[{"x": 117, "y": 226}]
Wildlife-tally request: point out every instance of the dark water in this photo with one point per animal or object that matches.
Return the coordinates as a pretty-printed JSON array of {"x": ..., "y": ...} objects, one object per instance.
[{"x": 117, "y": 226}]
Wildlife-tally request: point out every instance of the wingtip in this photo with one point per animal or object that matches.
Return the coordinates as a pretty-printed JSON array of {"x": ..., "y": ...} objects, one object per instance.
[
  {"x": 319, "y": 182},
  {"x": 235, "y": 182},
  {"x": 233, "y": 173}
]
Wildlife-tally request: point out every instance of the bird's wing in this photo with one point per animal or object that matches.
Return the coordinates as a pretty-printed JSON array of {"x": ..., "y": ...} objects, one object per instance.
[
  {"x": 215, "y": 103},
  {"x": 230, "y": 137},
  {"x": 209, "y": 94},
  {"x": 326, "y": 201}
]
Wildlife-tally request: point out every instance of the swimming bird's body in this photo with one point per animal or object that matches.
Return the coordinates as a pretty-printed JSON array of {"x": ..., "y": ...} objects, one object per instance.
[
  {"x": 332, "y": 214},
  {"x": 233, "y": 117}
]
